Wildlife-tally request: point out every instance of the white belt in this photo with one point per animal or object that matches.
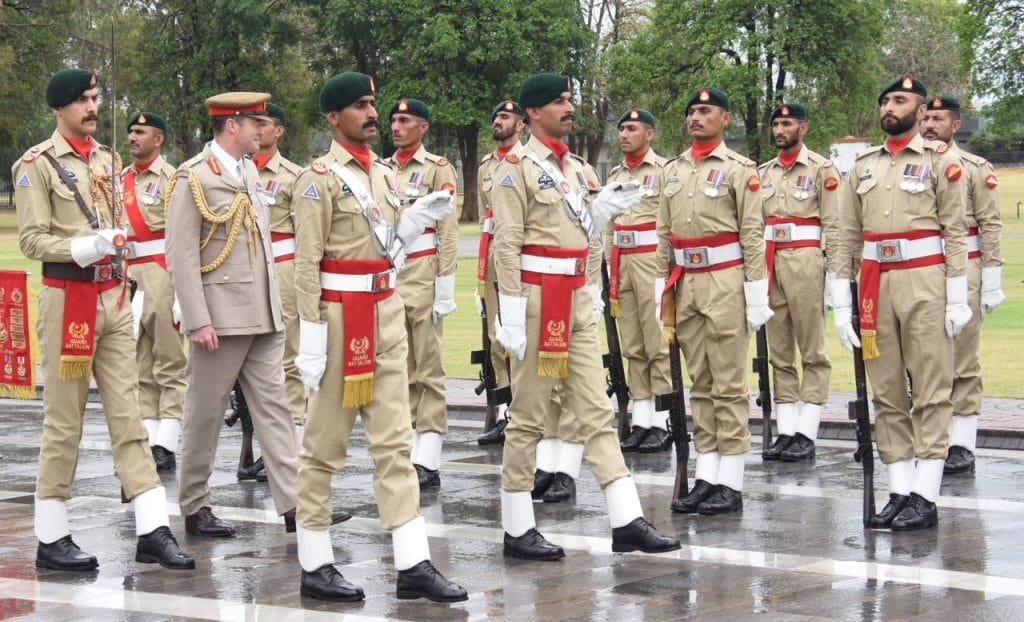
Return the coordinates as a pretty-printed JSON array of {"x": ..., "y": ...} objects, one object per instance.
[
  {"x": 707, "y": 256},
  {"x": 974, "y": 244},
  {"x": 426, "y": 242},
  {"x": 791, "y": 232},
  {"x": 378, "y": 282},
  {"x": 632, "y": 239},
  {"x": 146, "y": 249},
  {"x": 566, "y": 266},
  {"x": 283, "y": 247},
  {"x": 488, "y": 225},
  {"x": 901, "y": 249}
]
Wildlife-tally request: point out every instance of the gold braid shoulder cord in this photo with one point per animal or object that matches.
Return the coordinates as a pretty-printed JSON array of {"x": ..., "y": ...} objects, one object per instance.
[
  {"x": 100, "y": 187},
  {"x": 240, "y": 213}
]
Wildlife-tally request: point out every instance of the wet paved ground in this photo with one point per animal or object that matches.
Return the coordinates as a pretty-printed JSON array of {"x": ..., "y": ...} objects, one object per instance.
[{"x": 797, "y": 551}]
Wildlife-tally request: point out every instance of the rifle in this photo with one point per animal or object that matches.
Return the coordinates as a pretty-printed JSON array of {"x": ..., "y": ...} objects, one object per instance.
[
  {"x": 764, "y": 388},
  {"x": 675, "y": 404},
  {"x": 613, "y": 359},
  {"x": 240, "y": 412},
  {"x": 858, "y": 412},
  {"x": 488, "y": 380}
]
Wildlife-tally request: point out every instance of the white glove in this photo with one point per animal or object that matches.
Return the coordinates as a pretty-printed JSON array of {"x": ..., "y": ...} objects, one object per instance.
[
  {"x": 444, "y": 297},
  {"x": 659, "y": 291},
  {"x": 176, "y": 311},
  {"x": 88, "y": 249},
  {"x": 958, "y": 314},
  {"x": 311, "y": 360},
  {"x": 991, "y": 289},
  {"x": 137, "y": 300},
  {"x": 842, "y": 311},
  {"x": 510, "y": 327},
  {"x": 610, "y": 202},
  {"x": 758, "y": 311},
  {"x": 479, "y": 303},
  {"x": 595, "y": 295},
  {"x": 830, "y": 277},
  {"x": 418, "y": 216}
]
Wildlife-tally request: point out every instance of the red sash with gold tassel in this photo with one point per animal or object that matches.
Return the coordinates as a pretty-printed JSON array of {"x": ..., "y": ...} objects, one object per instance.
[
  {"x": 16, "y": 368},
  {"x": 556, "y": 296}
]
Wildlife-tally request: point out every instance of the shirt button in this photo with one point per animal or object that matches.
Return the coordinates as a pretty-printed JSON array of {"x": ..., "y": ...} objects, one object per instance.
[
  {"x": 690, "y": 195},
  {"x": 887, "y": 213},
  {"x": 888, "y": 187},
  {"x": 226, "y": 277}
]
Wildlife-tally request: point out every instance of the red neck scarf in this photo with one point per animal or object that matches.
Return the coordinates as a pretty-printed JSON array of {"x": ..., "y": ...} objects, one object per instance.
[
  {"x": 503, "y": 151},
  {"x": 699, "y": 151},
  {"x": 788, "y": 159},
  {"x": 361, "y": 153},
  {"x": 402, "y": 156},
  {"x": 142, "y": 167},
  {"x": 634, "y": 160},
  {"x": 81, "y": 147},
  {"x": 261, "y": 160},
  {"x": 557, "y": 147},
  {"x": 897, "y": 145}
]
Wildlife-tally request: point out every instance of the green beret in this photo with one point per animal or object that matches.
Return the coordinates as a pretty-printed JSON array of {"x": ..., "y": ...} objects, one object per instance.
[
  {"x": 906, "y": 84},
  {"x": 789, "y": 111},
  {"x": 636, "y": 114},
  {"x": 542, "y": 89},
  {"x": 276, "y": 112},
  {"x": 944, "y": 102},
  {"x": 509, "y": 105},
  {"x": 344, "y": 89},
  {"x": 149, "y": 119},
  {"x": 713, "y": 97},
  {"x": 413, "y": 107},
  {"x": 67, "y": 85}
]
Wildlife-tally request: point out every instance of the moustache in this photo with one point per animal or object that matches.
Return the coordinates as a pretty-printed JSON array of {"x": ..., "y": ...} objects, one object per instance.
[
  {"x": 91, "y": 117},
  {"x": 569, "y": 117},
  {"x": 696, "y": 126},
  {"x": 369, "y": 124}
]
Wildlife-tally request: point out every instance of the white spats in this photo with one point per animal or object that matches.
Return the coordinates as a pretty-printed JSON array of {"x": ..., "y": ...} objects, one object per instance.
[
  {"x": 928, "y": 478},
  {"x": 810, "y": 418},
  {"x": 167, "y": 435},
  {"x": 51, "y": 520},
  {"x": 901, "y": 477},
  {"x": 707, "y": 467},
  {"x": 410, "y": 543},
  {"x": 570, "y": 456},
  {"x": 623, "y": 502},
  {"x": 315, "y": 548},
  {"x": 548, "y": 450},
  {"x": 152, "y": 429},
  {"x": 730, "y": 471},
  {"x": 427, "y": 451},
  {"x": 150, "y": 510},
  {"x": 659, "y": 419},
  {"x": 787, "y": 415},
  {"x": 517, "y": 513},
  {"x": 643, "y": 413},
  {"x": 964, "y": 432}
]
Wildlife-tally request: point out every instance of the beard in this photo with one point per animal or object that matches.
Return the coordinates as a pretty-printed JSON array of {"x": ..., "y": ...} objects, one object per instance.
[
  {"x": 499, "y": 134},
  {"x": 894, "y": 126},
  {"x": 786, "y": 143}
]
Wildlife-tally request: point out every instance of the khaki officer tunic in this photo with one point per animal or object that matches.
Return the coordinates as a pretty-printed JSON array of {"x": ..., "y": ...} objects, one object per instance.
[
  {"x": 48, "y": 217},
  {"x": 527, "y": 215},
  {"x": 160, "y": 349},
  {"x": 798, "y": 284},
  {"x": 330, "y": 224},
  {"x": 911, "y": 303},
  {"x": 240, "y": 300},
  {"x": 639, "y": 328},
  {"x": 283, "y": 171},
  {"x": 710, "y": 321},
  {"x": 982, "y": 207},
  {"x": 416, "y": 286},
  {"x": 485, "y": 177}
]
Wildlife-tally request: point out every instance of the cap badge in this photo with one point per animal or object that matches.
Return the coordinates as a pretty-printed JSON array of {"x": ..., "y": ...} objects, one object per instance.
[
  {"x": 509, "y": 105},
  {"x": 142, "y": 118},
  {"x": 908, "y": 83},
  {"x": 937, "y": 102},
  {"x": 373, "y": 89},
  {"x": 785, "y": 111},
  {"x": 705, "y": 95},
  {"x": 634, "y": 114},
  {"x": 403, "y": 106}
]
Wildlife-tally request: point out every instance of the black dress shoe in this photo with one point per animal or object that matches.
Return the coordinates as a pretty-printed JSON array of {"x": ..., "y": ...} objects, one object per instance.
[
  {"x": 722, "y": 501},
  {"x": 657, "y": 440},
  {"x": 163, "y": 458},
  {"x": 64, "y": 554},
  {"x": 252, "y": 472},
  {"x": 532, "y": 545},
  {"x": 801, "y": 449},
  {"x": 959, "y": 460},
  {"x": 204, "y": 523},
  {"x": 424, "y": 581},
  {"x": 632, "y": 442},
  {"x": 562, "y": 488},
  {"x": 920, "y": 513},
  {"x": 782, "y": 441},
  {"x": 160, "y": 547},
  {"x": 883, "y": 520},
  {"x": 496, "y": 436},
  {"x": 542, "y": 480},
  {"x": 640, "y": 535},
  {"x": 289, "y": 519},
  {"x": 698, "y": 494},
  {"x": 427, "y": 477},
  {"x": 326, "y": 583}
]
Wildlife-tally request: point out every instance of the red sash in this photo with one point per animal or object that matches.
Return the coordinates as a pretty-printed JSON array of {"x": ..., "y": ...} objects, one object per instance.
[
  {"x": 972, "y": 232},
  {"x": 483, "y": 252},
  {"x": 277, "y": 237},
  {"x": 556, "y": 295},
  {"x": 140, "y": 230},
  {"x": 668, "y": 315},
  {"x": 17, "y": 370},
  {"x": 613, "y": 279},
  {"x": 770, "y": 246},
  {"x": 426, "y": 252},
  {"x": 359, "y": 312},
  {"x": 78, "y": 341}
]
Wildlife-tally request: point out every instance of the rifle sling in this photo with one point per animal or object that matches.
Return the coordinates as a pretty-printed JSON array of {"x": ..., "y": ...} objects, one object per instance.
[{"x": 70, "y": 183}]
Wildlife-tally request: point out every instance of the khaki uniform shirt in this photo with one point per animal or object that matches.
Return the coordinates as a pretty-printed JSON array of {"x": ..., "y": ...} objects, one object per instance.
[
  {"x": 982, "y": 205},
  {"x": 151, "y": 205},
  {"x": 688, "y": 210},
  {"x": 784, "y": 199},
  {"x": 650, "y": 176},
  {"x": 283, "y": 171},
  {"x": 330, "y": 223},
  {"x": 437, "y": 174},
  {"x": 485, "y": 182},
  {"x": 878, "y": 202}
]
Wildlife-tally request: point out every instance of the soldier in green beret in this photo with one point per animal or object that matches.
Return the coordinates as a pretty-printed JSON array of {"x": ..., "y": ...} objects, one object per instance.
[{"x": 67, "y": 219}]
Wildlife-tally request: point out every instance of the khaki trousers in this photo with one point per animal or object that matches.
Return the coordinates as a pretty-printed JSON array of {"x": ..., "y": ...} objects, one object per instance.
[
  {"x": 160, "y": 350},
  {"x": 583, "y": 395},
  {"x": 912, "y": 338},
  {"x": 967, "y": 388},
  {"x": 386, "y": 422},
  {"x": 116, "y": 377},
  {"x": 255, "y": 360},
  {"x": 289, "y": 312},
  {"x": 797, "y": 298},
  {"x": 499, "y": 359},
  {"x": 426, "y": 372},
  {"x": 711, "y": 328},
  {"x": 561, "y": 423},
  {"x": 640, "y": 329}
]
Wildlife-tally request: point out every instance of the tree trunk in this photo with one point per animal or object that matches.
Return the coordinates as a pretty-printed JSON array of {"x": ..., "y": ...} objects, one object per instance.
[{"x": 469, "y": 139}]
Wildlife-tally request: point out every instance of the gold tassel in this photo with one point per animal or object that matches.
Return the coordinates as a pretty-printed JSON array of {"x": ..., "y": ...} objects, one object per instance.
[
  {"x": 869, "y": 345},
  {"x": 553, "y": 365},
  {"x": 616, "y": 312},
  {"x": 18, "y": 392},
  {"x": 668, "y": 334},
  {"x": 358, "y": 391},
  {"x": 481, "y": 289},
  {"x": 72, "y": 367}
]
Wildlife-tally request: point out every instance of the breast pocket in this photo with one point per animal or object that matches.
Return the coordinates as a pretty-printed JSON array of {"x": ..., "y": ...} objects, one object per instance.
[
  {"x": 229, "y": 295},
  {"x": 550, "y": 208},
  {"x": 865, "y": 185}
]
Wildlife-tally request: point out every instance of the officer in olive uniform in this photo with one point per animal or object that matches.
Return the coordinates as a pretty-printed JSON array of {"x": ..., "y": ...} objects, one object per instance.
[
  {"x": 159, "y": 346},
  {"x": 427, "y": 284},
  {"x": 904, "y": 225},
  {"x": 547, "y": 240},
  {"x": 984, "y": 279},
  {"x": 67, "y": 219},
  {"x": 710, "y": 224},
  {"x": 351, "y": 245},
  {"x": 801, "y": 193},
  {"x": 633, "y": 267}
]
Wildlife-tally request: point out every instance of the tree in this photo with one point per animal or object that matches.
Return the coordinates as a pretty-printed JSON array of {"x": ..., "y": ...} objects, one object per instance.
[
  {"x": 921, "y": 41},
  {"x": 992, "y": 42}
]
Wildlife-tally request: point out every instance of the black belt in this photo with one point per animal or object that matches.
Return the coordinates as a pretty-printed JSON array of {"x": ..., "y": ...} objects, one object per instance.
[{"x": 72, "y": 272}]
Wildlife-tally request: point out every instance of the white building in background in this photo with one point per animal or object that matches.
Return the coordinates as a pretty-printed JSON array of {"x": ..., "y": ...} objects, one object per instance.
[{"x": 843, "y": 151}]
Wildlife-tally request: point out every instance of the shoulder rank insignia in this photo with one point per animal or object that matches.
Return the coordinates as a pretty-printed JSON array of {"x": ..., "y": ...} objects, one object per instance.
[
  {"x": 214, "y": 166},
  {"x": 311, "y": 193},
  {"x": 943, "y": 148},
  {"x": 512, "y": 158},
  {"x": 28, "y": 157},
  {"x": 442, "y": 162},
  {"x": 319, "y": 166}
]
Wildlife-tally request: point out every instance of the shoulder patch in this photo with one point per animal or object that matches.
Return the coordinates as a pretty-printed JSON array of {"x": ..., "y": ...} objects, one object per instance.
[
  {"x": 990, "y": 181},
  {"x": 942, "y": 148},
  {"x": 953, "y": 172},
  {"x": 512, "y": 158},
  {"x": 831, "y": 183},
  {"x": 318, "y": 166},
  {"x": 507, "y": 181},
  {"x": 753, "y": 183},
  {"x": 214, "y": 165},
  {"x": 310, "y": 192},
  {"x": 24, "y": 181},
  {"x": 448, "y": 187}
]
